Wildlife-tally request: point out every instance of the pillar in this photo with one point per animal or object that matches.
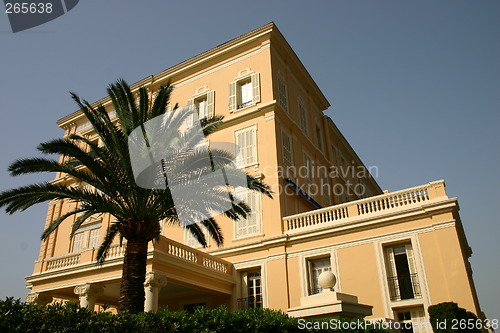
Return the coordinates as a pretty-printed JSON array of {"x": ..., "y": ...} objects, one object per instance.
[
  {"x": 87, "y": 294},
  {"x": 154, "y": 282},
  {"x": 38, "y": 298}
]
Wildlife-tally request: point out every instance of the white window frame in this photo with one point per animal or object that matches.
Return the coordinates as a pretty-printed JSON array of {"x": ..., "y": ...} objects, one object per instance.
[
  {"x": 209, "y": 96},
  {"x": 235, "y": 92},
  {"x": 312, "y": 276},
  {"x": 242, "y": 229},
  {"x": 252, "y": 148},
  {"x": 417, "y": 318},
  {"x": 391, "y": 271},
  {"x": 84, "y": 239},
  {"x": 245, "y": 278}
]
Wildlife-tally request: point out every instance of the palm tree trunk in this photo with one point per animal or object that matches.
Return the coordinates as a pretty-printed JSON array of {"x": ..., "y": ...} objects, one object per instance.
[{"x": 133, "y": 276}]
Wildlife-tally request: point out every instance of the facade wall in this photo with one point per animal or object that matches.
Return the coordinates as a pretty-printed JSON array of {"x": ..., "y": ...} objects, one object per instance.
[{"x": 355, "y": 242}]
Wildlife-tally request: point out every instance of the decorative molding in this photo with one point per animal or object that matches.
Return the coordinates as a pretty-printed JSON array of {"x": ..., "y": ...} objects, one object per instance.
[
  {"x": 88, "y": 290},
  {"x": 155, "y": 280},
  {"x": 38, "y": 298}
]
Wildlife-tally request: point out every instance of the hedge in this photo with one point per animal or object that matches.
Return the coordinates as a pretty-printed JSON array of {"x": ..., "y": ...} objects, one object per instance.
[
  {"x": 449, "y": 313},
  {"x": 17, "y": 316}
]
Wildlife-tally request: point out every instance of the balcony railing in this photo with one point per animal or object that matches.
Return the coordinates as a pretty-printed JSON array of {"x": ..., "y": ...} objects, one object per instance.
[
  {"x": 63, "y": 262},
  {"x": 173, "y": 249},
  {"x": 244, "y": 105},
  {"x": 404, "y": 287},
  {"x": 380, "y": 204},
  {"x": 250, "y": 302}
]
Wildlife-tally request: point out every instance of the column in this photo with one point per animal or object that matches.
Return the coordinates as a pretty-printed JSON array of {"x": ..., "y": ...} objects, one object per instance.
[
  {"x": 38, "y": 298},
  {"x": 88, "y": 294},
  {"x": 154, "y": 282}
]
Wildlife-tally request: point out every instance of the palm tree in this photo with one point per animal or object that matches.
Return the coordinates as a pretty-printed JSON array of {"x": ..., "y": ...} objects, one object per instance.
[{"x": 111, "y": 187}]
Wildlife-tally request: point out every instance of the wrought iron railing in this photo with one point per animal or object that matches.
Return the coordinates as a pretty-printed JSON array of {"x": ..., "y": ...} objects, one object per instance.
[
  {"x": 244, "y": 105},
  {"x": 250, "y": 302},
  {"x": 404, "y": 287}
]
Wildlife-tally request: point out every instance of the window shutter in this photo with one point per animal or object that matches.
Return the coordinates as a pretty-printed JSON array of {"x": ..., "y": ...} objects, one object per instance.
[
  {"x": 252, "y": 146},
  {"x": 190, "y": 118},
  {"x": 256, "y": 88},
  {"x": 78, "y": 242},
  {"x": 94, "y": 238},
  {"x": 391, "y": 264},
  {"x": 246, "y": 141},
  {"x": 287, "y": 149},
  {"x": 303, "y": 116},
  {"x": 232, "y": 96},
  {"x": 252, "y": 223},
  {"x": 240, "y": 142},
  {"x": 411, "y": 261},
  {"x": 210, "y": 104}
]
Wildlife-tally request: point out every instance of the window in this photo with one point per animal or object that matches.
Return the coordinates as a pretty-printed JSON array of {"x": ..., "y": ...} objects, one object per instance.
[
  {"x": 404, "y": 319},
  {"x": 401, "y": 273},
  {"x": 78, "y": 242},
  {"x": 303, "y": 116},
  {"x": 335, "y": 156},
  {"x": 315, "y": 268},
  {"x": 408, "y": 317},
  {"x": 191, "y": 241},
  {"x": 203, "y": 104},
  {"x": 94, "y": 237},
  {"x": 86, "y": 238},
  {"x": 308, "y": 169},
  {"x": 287, "y": 149},
  {"x": 251, "y": 290},
  {"x": 246, "y": 142},
  {"x": 244, "y": 92},
  {"x": 325, "y": 187},
  {"x": 319, "y": 136},
  {"x": 282, "y": 92},
  {"x": 251, "y": 225}
]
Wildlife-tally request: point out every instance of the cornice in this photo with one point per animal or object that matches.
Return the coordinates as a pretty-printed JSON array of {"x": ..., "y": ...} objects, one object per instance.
[{"x": 184, "y": 66}]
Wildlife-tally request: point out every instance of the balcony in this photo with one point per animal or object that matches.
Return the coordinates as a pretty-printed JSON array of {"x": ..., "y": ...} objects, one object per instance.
[
  {"x": 404, "y": 287},
  {"x": 166, "y": 247},
  {"x": 379, "y": 205}
]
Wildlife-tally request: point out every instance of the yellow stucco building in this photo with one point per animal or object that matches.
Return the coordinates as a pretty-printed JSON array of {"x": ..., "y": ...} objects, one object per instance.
[{"x": 393, "y": 254}]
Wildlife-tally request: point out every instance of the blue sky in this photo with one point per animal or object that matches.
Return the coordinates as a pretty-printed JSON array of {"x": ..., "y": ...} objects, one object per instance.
[{"x": 414, "y": 87}]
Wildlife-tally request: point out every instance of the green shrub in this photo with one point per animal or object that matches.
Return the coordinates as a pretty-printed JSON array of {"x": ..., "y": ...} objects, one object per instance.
[
  {"x": 17, "y": 316},
  {"x": 446, "y": 317}
]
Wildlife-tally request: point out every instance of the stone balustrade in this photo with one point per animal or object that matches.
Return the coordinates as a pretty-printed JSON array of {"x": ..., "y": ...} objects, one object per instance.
[
  {"x": 62, "y": 261},
  {"x": 166, "y": 246},
  {"x": 380, "y": 204}
]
